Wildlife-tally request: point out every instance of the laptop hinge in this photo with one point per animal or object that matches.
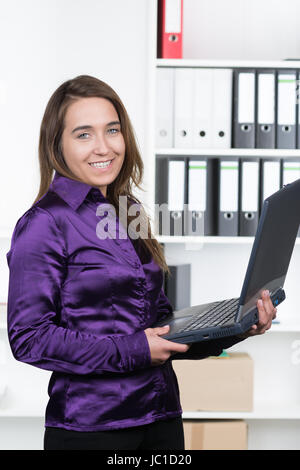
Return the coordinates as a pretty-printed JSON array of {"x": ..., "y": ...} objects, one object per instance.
[{"x": 239, "y": 313}]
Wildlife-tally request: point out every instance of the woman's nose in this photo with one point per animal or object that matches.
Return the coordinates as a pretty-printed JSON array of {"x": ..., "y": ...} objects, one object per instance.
[{"x": 101, "y": 146}]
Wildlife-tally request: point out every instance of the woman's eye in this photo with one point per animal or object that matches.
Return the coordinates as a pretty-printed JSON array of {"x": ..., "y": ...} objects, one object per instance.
[
  {"x": 80, "y": 135},
  {"x": 113, "y": 131}
]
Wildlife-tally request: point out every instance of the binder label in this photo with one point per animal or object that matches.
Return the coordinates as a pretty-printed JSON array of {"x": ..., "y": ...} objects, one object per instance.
[
  {"x": 286, "y": 99},
  {"x": 246, "y": 94},
  {"x": 197, "y": 185},
  {"x": 291, "y": 172},
  {"x": 229, "y": 173},
  {"x": 271, "y": 182},
  {"x": 266, "y": 98},
  {"x": 173, "y": 16},
  {"x": 250, "y": 183},
  {"x": 176, "y": 185}
]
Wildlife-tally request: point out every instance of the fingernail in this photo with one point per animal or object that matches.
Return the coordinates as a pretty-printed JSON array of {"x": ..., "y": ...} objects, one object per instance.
[{"x": 260, "y": 302}]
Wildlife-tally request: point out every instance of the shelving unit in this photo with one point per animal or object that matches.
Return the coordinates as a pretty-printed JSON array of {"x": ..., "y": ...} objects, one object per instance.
[
  {"x": 284, "y": 326},
  {"x": 272, "y": 352},
  {"x": 233, "y": 152},
  {"x": 262, "y": 411},
  {"x": 265, "y": 64},
  {"x": 208, "y": 240}
]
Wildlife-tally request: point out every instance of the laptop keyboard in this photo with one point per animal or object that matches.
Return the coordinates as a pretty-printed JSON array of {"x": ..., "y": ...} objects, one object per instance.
[{"x": 217, "y": 315}]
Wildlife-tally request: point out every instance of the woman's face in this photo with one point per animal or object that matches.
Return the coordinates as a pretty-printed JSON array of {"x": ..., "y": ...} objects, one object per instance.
[{"x": 92, "y": 135}]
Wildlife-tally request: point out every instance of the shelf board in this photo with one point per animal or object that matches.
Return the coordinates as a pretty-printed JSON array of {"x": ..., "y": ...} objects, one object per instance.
[
  {"x": 203, "y": 240},
  {"x": 262, "y": 410},
  {"x": 273, "y": 64},
  {"x": 284, "y": 326},
  {"x": 229, "y": 152},
  {"x": 208, "y": 240}
]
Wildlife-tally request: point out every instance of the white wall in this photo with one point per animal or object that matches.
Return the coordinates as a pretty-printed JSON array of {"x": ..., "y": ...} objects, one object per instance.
[{"x": 43, "y": 43}]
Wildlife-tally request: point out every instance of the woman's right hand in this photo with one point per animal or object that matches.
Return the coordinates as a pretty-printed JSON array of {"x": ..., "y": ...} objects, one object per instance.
[{"x": 161, "y": 349}]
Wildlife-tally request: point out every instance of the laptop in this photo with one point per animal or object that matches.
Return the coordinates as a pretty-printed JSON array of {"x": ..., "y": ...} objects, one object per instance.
[{"x": 267, "y": 268}]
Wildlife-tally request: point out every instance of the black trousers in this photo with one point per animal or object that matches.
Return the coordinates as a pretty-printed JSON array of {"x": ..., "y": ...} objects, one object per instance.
[{"x": 166, "y": 434}]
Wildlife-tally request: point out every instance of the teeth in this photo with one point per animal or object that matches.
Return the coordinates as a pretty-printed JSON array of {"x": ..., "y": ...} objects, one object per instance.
[{"x": 100, "y": 165}]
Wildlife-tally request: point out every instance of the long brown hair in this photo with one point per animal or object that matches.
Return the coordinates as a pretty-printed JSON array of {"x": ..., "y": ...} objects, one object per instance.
[{"x": 51, "y": 156}]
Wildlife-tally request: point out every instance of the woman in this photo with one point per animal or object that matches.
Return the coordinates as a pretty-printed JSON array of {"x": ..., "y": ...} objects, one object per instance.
[{"x": 82, "y": 305}]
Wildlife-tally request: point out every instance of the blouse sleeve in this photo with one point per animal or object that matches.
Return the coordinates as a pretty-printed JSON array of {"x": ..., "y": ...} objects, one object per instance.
[
  {"x": 37, "y": 267},
  {"x": 164, "y": 308}
]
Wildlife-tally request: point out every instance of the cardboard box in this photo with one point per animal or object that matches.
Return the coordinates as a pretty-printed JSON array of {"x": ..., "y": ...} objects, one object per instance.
[
  {"x": 215, "y": 435},
  {"x": 216, "y": 383}
]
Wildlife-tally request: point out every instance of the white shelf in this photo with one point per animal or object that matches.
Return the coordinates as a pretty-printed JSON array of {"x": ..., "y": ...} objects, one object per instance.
[
  {"x": 229, "y": 152},
  {"x": 208, "y": 240},
  {"x": 290, "y": 325},
  {"x": 273, "y": 64},
  {"x": 262, "y": 410},
  {"x": 203, "y": 240}
]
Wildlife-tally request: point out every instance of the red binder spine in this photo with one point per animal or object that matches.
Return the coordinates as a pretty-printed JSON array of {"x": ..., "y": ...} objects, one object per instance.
[{"x": 169, "y": 37}]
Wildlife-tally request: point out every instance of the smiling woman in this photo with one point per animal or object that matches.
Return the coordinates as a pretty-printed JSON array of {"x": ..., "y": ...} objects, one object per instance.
[{"x": 83, "y": 306}]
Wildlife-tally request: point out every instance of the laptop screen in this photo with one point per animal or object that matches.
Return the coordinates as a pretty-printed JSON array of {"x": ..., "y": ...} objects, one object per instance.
[{"x": 273, "y": 245}]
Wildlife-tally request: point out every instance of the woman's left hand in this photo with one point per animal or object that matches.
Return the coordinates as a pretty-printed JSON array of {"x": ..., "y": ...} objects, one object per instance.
[{"x": 267, "y": 313}]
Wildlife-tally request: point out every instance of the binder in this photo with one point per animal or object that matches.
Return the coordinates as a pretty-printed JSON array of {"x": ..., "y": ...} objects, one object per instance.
[
  {"x": 202, "y": 107},
  {"x": 164, "y": 108},
  {"x": 228, "y": 196},
  {"x": 200, "y": 201},
  {"x": 170, "y": 195},
  {"x": 178, "y": 286},
  {"x": 286, "y": 109},
  {"x": 290, "y": 171},
  {"x": 265, "y": 122},
  {"x": 183, "y": 112},
  {"x": 222, "y": 108},
  {"x": 270, "y": 181},
  {"x": 249, "y": 196},
  {"x": 298, "y": 110},
  {"x": 169, "y": 34},
  {"x": 244, "y": 109}
]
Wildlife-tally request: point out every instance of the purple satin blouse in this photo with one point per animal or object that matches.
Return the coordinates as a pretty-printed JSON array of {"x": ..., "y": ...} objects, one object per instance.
[{"x": 78, "y": 305}]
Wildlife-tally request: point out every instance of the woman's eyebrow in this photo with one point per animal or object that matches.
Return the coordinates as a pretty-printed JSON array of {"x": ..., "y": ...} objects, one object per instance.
[{"x": 87, "y": 126}]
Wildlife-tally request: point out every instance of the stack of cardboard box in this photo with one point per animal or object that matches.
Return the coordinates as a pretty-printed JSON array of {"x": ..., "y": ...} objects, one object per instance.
[
  {"x": 216, "y": 384},
  {"x": 215, "y": 435}
]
